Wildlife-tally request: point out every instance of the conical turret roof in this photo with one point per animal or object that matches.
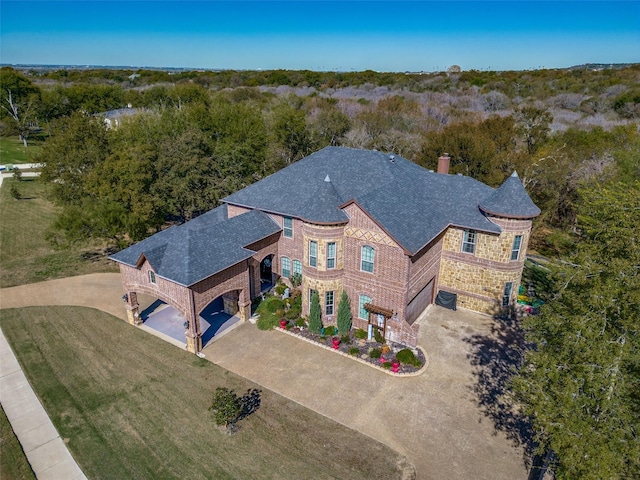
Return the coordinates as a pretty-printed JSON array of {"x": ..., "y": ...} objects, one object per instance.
[{"x": 510, "y": 200}]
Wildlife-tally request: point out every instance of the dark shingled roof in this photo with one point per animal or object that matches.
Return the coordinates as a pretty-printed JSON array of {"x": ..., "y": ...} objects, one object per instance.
[
  {"x": 204, "y": 246},
  {"x": 510, "y": 200},
  {"x": 412, "y": 204}
]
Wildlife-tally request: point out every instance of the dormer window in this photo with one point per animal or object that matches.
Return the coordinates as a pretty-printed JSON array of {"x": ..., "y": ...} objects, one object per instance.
[{"x": 469, "y": 241}]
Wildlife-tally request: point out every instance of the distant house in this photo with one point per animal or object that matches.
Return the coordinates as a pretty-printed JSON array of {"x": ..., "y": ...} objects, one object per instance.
[
  {"x": 113, "y": 118},
  {"x": 385, "y": 230}
]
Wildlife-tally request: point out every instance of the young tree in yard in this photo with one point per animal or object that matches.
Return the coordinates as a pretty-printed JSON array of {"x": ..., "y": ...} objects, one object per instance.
[
  {"x": 315, "y": 314},
  {"x": 226, "y": 407},
  {"x": 580, "y": 381},
  {"x": 344, "y": 314}
]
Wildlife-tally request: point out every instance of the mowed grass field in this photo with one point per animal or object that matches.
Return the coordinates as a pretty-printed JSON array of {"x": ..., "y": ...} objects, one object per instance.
[
  {"x": 13, "y": 463},
  {"x": 25, "y": 254},
  {"x": 13, "y": 151},
  {"x": 132, "y": 406}
]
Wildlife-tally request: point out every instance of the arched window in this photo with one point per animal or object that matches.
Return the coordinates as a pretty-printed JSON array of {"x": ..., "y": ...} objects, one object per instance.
[
  {"x": 297, "y": 267},
  {"x": 363, "y": 312},
  {"x": 286, "y": 267},
  {"x": 367, "y": 259}
]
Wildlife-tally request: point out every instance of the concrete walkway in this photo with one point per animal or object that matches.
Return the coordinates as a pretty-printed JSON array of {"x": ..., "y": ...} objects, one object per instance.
[
  {"x": 45, "y": 450},
  {"x": 433, "y": 419}
]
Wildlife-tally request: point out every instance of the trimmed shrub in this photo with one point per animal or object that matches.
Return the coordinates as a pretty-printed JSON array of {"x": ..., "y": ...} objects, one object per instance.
[
  {"x": 301, "y": 322},
  {"x": 355, "y": 351},
  {"x": 329, "y": 331},
  {"x": 361, "y": 334},
  {"x": 280, "y": 288},
  {"x": 375, "y": 353},
  {"x": 315, "y": 315},
  {"x": 270, "y": 310},
  {"x": 346, "y": 339},
  {"x": 378, "y": 336},
  {"x": 344, "y": 313},
  {"x": 407, "y": 356},
  {"x": 386, "y": 365}
]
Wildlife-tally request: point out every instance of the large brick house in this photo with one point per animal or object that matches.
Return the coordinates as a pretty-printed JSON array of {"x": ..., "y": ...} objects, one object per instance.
[{"x": 385, "y": 230}]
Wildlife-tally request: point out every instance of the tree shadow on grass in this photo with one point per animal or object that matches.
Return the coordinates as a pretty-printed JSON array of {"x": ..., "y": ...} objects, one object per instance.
[{"x": 496, "y": 358}]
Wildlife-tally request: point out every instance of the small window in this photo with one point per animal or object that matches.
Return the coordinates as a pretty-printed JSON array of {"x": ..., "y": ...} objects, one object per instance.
[
  {"x": 313, "y": 253},
  {"x": 287, "y": 224},
  {"x": 328, "y": 303},
  {"x": 363, "y": 312},
  {"x": 515, "y": 250},
  {"x": 331, "y": 255},
  {"x": 152, "y": 277},
  {"x": 506, "y": 297},
  {"x": 368, "y": 255},
  {"x": 469, "y": 241},
  {"x": 297, "y": 267},
  {"x": 286, "y": 267}
]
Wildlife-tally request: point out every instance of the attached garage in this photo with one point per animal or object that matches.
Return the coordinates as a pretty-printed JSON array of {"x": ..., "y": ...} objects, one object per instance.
[{"x": 422, "y": 300}]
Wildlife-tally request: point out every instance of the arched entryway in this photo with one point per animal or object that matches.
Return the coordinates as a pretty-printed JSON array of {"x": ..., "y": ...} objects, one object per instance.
[
  {"x": 219, "y": 316},
  {"x": 266, "y": 273}
]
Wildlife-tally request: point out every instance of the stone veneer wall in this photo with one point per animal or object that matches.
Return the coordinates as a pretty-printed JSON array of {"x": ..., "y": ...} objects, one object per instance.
[
  {"x": 321, "y": 278},
  {"x": 479, "y": 279}
]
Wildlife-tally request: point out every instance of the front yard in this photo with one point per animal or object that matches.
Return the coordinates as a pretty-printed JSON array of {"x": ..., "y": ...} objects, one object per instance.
[{"x": 132, "y": 406}]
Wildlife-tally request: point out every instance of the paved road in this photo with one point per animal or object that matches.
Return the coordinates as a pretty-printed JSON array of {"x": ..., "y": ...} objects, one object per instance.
[{"x": 433, "y": 419}]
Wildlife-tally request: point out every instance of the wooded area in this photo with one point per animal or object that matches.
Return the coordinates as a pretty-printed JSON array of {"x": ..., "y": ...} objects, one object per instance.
[{"x": 572, "y": 135}]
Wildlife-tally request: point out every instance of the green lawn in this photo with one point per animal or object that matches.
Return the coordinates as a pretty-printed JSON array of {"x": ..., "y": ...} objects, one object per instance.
[
  {"x": 12, "y": 150},
  {"x": 132, "y": 406},
  {"x": 25, "y": 255},
  {"x": 13, "y": 462}
]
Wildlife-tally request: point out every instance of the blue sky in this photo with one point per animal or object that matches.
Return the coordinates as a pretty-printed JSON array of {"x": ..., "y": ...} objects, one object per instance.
[{"x": 317, "y": 35}]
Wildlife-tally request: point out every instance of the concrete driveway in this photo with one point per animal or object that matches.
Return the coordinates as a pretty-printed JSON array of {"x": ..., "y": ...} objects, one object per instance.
[{"x": 433, "y": 419}]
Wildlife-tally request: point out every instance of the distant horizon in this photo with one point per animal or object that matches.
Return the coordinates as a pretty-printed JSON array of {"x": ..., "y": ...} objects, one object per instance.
[
  {"x": 205, "y": 69},
  {"x": 384, "y": 36}
]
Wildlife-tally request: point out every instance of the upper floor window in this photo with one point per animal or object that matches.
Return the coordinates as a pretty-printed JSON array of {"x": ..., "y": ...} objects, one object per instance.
[
  {"x": 152, "y": 277},
  {"x": 469, "y": 241},
  {"x": 328, "y": 303},
  {"x": 297, "y": 267},
  {"x": 506, "y": 296},
  {"x": 286, "y": 267},
  {"x": 287, "y": 224},
  {"x": 368, "y": 255},
  {"x": 331, "y": 255},
  {"x": 363, "y": 312},
  {"x": 313, "y": 253},
  {"x": 515, "y": 250}
]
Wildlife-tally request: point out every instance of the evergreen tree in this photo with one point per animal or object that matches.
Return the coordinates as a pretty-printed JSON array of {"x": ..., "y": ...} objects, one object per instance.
[
  {"x": 580, "y": 382},
  {"x": 344, "y": 314},
  {"x": 315, "y": 314}
]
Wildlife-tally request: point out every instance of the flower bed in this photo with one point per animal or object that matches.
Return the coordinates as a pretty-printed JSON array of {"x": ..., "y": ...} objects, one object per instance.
[{"x": 364, "y": 349}]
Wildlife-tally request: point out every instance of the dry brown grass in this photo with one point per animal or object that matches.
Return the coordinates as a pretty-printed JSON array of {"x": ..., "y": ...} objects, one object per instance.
[{"x": 133, "y": 406}]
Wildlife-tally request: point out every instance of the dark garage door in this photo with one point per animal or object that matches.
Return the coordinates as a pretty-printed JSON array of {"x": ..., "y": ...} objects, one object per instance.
[{"x": 421, "y": 301}]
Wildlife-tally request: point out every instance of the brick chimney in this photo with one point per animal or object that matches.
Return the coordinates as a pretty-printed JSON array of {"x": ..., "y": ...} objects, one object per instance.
[{"x": 443, "y": 163}]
